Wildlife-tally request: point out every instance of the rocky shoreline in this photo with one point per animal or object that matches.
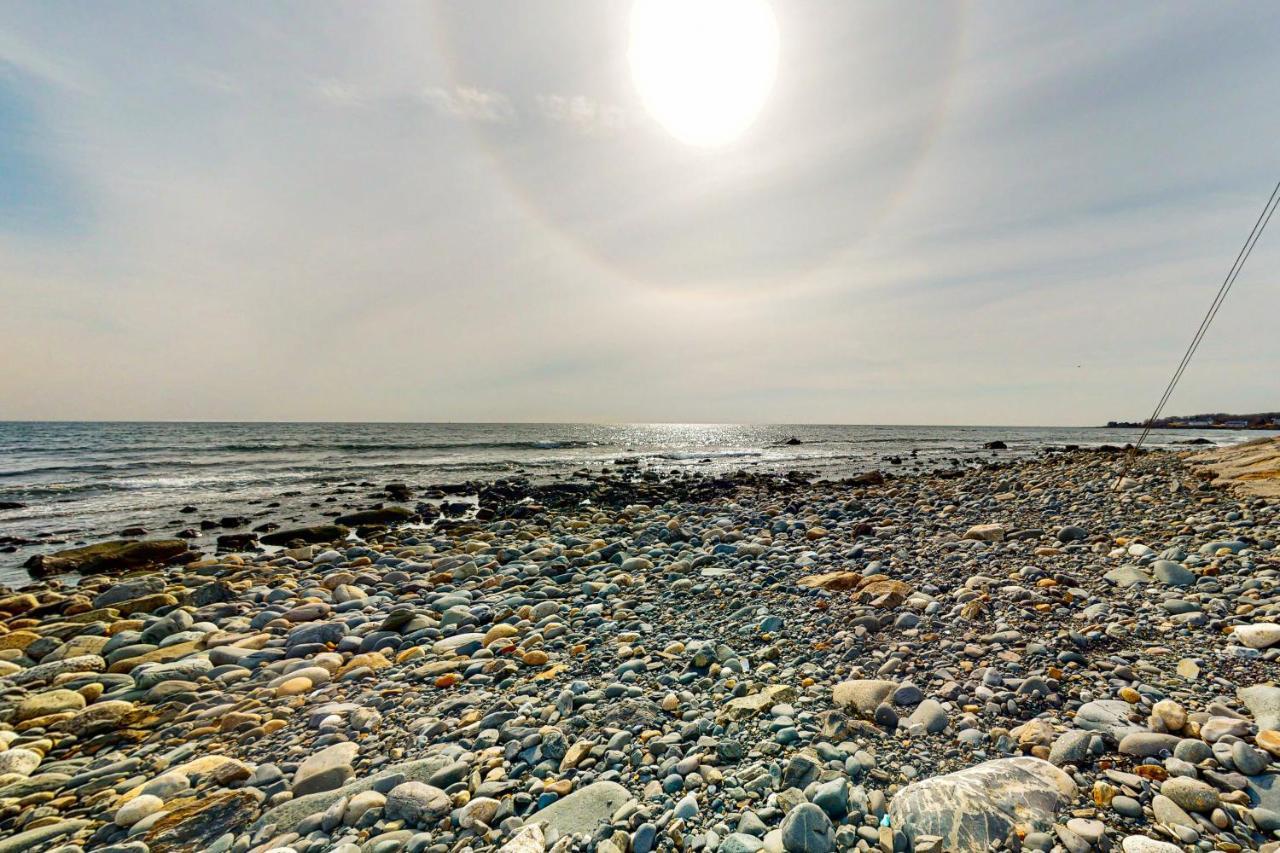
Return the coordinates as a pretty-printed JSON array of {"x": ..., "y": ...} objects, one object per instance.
[{"x": 1007, "y": 657}]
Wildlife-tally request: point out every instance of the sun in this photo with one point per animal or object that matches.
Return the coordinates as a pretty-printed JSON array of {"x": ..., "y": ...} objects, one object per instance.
[{"x": 703, "y": 68}]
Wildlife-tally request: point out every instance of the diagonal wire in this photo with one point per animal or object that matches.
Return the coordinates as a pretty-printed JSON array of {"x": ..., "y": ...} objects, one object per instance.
[{"x": 1241, "y": 257}]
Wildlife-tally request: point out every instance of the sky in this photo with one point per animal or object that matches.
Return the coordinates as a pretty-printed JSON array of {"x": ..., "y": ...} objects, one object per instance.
[{"x": 986, "y": 213}]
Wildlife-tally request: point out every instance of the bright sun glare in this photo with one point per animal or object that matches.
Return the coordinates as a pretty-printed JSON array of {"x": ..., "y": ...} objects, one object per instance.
[{"x": 703, "y": 67}]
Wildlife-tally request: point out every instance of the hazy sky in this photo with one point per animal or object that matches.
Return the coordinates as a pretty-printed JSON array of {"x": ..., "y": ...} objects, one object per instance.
[{"x": 984, "y": 213}]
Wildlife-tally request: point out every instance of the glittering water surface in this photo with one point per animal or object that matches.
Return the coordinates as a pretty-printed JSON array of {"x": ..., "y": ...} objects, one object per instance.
[{"x": 83, "y": 481}]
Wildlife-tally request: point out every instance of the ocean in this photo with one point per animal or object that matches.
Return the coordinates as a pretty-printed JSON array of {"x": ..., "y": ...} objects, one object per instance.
[{"x": 81, "y": 482}]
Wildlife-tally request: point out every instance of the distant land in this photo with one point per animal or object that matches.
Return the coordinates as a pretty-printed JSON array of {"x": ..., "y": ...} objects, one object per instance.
[{"x": 1217, "y": 420}]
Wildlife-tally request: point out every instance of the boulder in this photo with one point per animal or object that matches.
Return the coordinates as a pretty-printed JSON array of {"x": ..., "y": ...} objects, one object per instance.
[
  {"x": 313, "y": 534},
  {"x": 117, "y": 555},
  {"x": 373, "y": 517},
  {"x": 974, "y": 808}
]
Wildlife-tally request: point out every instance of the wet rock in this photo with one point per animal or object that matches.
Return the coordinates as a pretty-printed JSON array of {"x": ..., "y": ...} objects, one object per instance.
[{"x": 114, "y": 556}]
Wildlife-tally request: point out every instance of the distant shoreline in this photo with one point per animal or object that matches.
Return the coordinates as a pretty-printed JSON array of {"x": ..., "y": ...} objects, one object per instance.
[{"x": 1189, "y": 427}]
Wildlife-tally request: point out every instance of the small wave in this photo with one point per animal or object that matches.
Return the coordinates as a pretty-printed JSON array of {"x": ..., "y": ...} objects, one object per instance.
[{"x": 689, "y": 455}]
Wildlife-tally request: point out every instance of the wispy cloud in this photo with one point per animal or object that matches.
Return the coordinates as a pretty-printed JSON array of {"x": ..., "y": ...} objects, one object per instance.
[{"x": 470, "y": 103}]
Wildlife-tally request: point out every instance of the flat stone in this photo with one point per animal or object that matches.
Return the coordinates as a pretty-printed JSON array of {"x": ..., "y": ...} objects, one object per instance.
[
  {"x": 1263, "y": 702},
  {"x": 1127, "y": 576},
  {"x": 744, "y": 707},
  {"x": 863, "y": 695},
  {"x": 49, "y": 671},
  {"x": 1142, "y": 844},
  {"x": 1172, "y": 574},
  {"x": 325, "y": 770},
  {"x": 39, "y": 838},
  {"x": 1106, "y": 715},
  {"x": 985, "y": 533},
  {"x": 584, "y": 809}
]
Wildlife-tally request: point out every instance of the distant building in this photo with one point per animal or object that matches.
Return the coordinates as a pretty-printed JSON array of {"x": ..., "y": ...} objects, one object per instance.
[
  {"x": 1199, "y": 423},
  {"x": 1236, "y": 424}
]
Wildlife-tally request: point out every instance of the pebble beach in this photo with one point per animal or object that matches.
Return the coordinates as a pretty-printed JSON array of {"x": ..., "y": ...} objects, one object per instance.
[{"x": 1010, "y": 655}]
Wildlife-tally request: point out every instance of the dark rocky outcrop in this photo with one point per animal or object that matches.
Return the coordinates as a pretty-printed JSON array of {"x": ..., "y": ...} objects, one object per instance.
[
  {"x": 372, "y": 517},
  {"x": 118, "y": 555},
  {"x": 313, "y": 534}
]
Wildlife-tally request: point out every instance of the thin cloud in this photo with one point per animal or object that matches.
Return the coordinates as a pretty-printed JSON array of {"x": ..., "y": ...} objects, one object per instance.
[
  {"x": 470, "y": 103},
  {"x": 583, "y": 114}
]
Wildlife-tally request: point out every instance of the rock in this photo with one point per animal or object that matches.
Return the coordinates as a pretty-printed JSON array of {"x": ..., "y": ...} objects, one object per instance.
[
  {"x": 115, "y": 556},
  {"x": 930, "y": 714},
  {"x": 1269, "y": 739},
  {"x": 744, "y": 707},
  {"x": 1262, "y": 635},
  {"x": 102, "y": 716},
  {"x": 40, "y": 837},
  {"x": 417, "y": 803},
  {"x": 529, "y": 839},
  {"x": 195, "y": 825},
  {"x": 1142, "y": 844},
  {"x": 325, "y": 770},
  {"x": 807, "y": 829},
  {"x": 584, "y": 809},
  {"x": 1072, "y": 533},
  {"x": 53, "y": 669},
  {"x": 130, "y": 589},
  {"x": 1170, "y": 716},
  {"x": 1106, "y": 715},
  {"x": 832, "y": 581},
  {"x": 1127, "y": 576},
  {"x": 862, "y": 695},
  {"x": 1172, "y": 574},
  {"x": 376, "y": 517},
  {"x": 985, "y": 533},
  {"x": 1148, "y": 744},
  {"x": 287, "y": 814},
  {"x": 1191, "y": 794},
  {"x": 313, "y": 534},
  {"x": 143, "y": 805},
  {"x": 1070, "y": 747},
  {"x": 48, "y": 702},
  {"x": 19, "y": 762},
  {"x": 973, "y": 808},
  {"x": 1169, "y": 813}
]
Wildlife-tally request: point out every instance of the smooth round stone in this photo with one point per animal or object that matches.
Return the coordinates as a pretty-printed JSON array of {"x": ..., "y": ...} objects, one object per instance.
[
  {"x": 1191, "y": 794},
  {"x": 740, "y": 842},
  {"x": 1127, "y": 807},
  {"x": 807, "y": 829},
  {"x": 1248, "y": 760},
  {"x": 141, "y": 806},
  {"x": 1192, "y": 751},
  {"x": 1089, "y": 830}
]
